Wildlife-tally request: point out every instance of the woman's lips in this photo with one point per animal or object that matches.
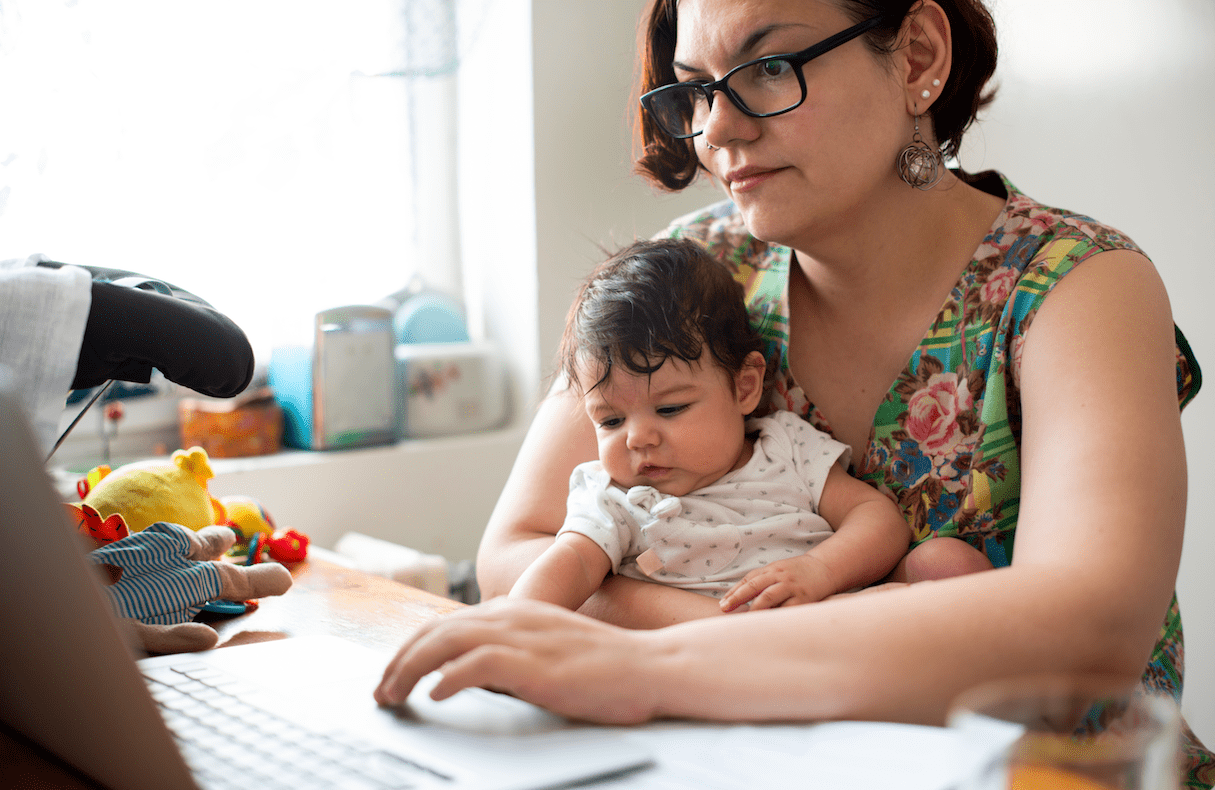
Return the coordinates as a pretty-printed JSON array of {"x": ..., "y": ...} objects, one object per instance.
[{"x": 749, "y": 178}]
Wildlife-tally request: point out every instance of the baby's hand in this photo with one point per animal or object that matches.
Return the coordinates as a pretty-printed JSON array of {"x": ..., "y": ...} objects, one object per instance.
[{"x": 797, "y": 580}]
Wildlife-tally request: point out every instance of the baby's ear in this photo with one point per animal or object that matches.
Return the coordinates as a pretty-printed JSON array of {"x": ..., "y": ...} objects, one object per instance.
[{"x": 749, "y": 382}]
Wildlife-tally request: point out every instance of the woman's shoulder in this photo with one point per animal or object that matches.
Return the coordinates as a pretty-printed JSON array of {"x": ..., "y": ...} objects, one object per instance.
[
  {"x": 1031, "y": 249},
  {"x": 1031, "y": 236}
]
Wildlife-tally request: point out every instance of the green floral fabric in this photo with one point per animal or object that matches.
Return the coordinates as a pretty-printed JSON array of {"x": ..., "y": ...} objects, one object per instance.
[{"x": 945, "y": 440}]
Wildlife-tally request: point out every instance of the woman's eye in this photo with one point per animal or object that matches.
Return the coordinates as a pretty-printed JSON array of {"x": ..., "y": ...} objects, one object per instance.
[
  {"x": 773, "y": 68},
  {"x": 671, "y": 411}
]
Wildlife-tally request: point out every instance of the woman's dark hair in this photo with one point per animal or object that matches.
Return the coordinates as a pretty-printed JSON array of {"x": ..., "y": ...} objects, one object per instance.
[
  {"x": 672, "y": 164},
  {"x": 653, "y": 301}
]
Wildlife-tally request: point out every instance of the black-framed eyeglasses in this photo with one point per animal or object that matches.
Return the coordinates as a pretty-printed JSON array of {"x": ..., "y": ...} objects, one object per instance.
[{"x": 760, "y": 88}]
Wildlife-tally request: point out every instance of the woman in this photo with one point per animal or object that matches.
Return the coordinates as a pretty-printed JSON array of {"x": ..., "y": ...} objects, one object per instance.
[{"x": 1041, "y": 402}]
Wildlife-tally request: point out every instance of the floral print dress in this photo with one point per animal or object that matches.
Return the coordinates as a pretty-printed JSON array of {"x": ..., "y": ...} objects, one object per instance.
[{"x": 945, "y": 440}]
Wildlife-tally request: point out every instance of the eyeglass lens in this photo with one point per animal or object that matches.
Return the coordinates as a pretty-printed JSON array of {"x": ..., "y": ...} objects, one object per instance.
[{"x": 766, "y": 87}]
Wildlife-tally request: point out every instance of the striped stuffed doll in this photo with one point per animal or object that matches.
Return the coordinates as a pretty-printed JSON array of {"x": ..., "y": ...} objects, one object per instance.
[{"x": 161, "y": 577}]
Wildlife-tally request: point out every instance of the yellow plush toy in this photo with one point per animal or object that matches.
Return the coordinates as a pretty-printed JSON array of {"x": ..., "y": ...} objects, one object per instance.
[
  {"x": 247, "y": 515},
  {"x": 146, "y": 492},
  {"x": 160, "y": 536}
]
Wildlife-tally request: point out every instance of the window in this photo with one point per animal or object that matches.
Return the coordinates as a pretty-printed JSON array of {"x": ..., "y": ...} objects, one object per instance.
[{"x": 245, "y": 150}]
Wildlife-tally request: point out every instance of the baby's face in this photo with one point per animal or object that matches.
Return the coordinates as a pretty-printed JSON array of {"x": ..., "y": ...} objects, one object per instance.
[{"x": 677, "y": 430}]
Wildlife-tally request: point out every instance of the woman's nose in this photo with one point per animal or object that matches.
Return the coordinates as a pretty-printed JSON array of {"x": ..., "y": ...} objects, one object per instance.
[{"x": 726, "y": 123}]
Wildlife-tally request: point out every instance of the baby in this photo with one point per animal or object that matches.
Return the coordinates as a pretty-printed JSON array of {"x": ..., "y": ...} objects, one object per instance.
[{"x": 687, "y": 490}]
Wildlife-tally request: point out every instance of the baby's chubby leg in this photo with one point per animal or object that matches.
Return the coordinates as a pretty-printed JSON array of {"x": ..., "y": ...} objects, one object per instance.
[{"x": 939, "y": 558}]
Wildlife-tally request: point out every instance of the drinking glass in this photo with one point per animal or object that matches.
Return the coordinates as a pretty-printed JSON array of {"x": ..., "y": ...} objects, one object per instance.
[{"x": 1068, "y": 733}]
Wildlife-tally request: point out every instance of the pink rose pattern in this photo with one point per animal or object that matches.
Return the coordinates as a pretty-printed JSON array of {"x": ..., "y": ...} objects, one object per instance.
[
  {"x": 934, "y": 414},
  {"x": 942, "y": 446}
]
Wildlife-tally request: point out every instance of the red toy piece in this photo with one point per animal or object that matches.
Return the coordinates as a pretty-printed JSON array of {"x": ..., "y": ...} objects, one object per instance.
[
  {"x": 288, "y": 546},
  {"x": 101, "y": 531}
]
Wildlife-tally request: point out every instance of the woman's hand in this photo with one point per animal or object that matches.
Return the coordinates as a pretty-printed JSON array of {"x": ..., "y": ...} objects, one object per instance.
[{"x": 538, "y": 652}]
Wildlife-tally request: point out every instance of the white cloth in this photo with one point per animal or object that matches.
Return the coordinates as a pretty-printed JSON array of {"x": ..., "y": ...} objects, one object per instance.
[
  {"x": 43, "y": 313},
  {"x": 709, "y": 539}
]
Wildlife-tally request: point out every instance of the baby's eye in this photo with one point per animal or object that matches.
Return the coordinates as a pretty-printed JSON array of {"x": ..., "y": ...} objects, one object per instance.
[
  {"x": 610, "y": 422},
  {"x": 671, "y": 411}
]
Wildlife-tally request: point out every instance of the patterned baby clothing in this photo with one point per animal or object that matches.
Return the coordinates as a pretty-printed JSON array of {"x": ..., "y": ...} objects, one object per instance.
[{"x": 709, "y": 539}]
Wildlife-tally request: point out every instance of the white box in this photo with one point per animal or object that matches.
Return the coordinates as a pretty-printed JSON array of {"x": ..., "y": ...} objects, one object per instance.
[{"x": 449, "y": 388}]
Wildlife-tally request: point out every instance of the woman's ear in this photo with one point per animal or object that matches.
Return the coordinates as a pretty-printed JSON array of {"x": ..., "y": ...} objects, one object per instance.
[
  {"x": 749, "y": 382},
  {"x": 927, "y": 55}
]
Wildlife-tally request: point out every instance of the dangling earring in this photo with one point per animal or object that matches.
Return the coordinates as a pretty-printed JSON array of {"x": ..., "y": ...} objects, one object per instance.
[{"x": 919, "y": 164}]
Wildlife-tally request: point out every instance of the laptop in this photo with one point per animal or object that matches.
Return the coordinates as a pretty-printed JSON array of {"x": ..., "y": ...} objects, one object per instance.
[{"x": 70, "y": 682}]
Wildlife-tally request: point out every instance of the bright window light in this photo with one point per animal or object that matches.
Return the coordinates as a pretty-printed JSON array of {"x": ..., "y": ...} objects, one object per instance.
[{"x": 240, "y": 149}]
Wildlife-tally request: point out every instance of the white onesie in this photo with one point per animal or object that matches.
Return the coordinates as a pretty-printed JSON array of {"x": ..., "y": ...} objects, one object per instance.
[{"x": 709, "y": 539}]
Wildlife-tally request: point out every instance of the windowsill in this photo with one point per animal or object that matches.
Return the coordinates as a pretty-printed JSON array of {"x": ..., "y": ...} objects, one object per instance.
[
  {"x": 291, "y": 458},
  {"x": 431, "y": 494}
]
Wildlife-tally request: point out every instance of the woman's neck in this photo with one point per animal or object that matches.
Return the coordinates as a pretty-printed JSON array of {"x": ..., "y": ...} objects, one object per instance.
[
  {"x": 858, "y": 312},
  {"x": 901, "y": 245}
]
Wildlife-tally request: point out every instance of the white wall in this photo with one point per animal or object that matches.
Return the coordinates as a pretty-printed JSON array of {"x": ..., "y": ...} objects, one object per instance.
[{"x": 587, "y": 197}]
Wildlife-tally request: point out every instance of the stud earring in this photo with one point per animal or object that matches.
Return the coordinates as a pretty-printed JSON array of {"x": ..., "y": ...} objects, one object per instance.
[
  {"x": 919, "y": 164},
  {"x": 936, "y": 83},
  {"x": 925, "y": 93}
]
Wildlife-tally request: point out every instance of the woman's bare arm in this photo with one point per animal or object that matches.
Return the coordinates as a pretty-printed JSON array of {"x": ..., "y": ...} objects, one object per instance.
[{"x": 1098, "y": 545}]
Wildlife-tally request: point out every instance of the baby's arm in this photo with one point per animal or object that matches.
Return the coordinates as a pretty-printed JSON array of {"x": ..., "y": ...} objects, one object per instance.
[
  {"x": 870, "y": 538},
  {"x": 567, "y": 573}
]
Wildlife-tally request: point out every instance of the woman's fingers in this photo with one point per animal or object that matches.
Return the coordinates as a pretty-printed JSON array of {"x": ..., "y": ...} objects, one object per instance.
[
  {"x": 434, "y": 644},
  {"x": 509, "y": 669},
  {"x": 541, "y": 653}
]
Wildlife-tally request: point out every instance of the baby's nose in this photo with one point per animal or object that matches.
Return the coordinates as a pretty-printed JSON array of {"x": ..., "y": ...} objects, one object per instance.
[{"x": 643, "y": 435}]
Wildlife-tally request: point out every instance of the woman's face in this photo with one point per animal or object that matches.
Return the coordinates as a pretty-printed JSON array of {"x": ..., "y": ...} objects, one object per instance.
[{"x": 799, "y": 175}]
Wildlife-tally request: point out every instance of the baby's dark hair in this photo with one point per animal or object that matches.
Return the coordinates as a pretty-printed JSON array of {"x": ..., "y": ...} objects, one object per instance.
[{"x": 653, "y": 301}]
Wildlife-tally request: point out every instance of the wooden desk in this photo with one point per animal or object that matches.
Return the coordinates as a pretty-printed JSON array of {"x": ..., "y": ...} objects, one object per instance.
[
  {"x": 325, "y": 599},
  {"x": 329, "y": 599}
]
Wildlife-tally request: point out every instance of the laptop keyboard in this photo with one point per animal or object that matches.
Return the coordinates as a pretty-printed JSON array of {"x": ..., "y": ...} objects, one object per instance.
[{"x": 230, "y": 743}]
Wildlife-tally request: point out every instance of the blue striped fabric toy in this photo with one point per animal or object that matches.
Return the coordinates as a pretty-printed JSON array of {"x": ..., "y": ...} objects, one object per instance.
[{"x": 161, "y": 577}]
